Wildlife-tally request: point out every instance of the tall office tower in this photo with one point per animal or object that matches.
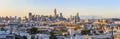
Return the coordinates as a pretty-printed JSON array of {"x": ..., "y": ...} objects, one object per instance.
[
  {"x": 30, "y": 16},
  {"x": 71, "y": 18},
  {"x": 77, "y": 18},
  {"x": 19, "y": 20},
  {"x": 15, "y": 18},
  {"x": 55, "y": 12},
  {"x": 77, "y": 14},
  {"x": 61, "y": 15},
  {"x": 10, "y": 17},
  {"x": 7, "y": 18}
]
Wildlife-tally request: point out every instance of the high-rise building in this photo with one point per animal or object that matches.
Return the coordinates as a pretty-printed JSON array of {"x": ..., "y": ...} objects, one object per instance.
[
  {"x": 30, "y": 16},
  {"x": 6, "y": 18},
  {"x": 61, "y": 15},
  {"x": 55, "y": 12},
  {"x": 19, "y": 19},
  {"x": 15, "y": 18},
  {"x": 77, "y": 18},
  {"x": 77, "y": 14}
]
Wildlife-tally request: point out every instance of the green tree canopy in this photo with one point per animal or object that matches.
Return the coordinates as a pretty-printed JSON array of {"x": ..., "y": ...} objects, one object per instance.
[
  {"x": 2, "y": 29},
  {"x": 33, "y": 30},
  {"x": 52, "y": 36},
  {"x": 85, "y": 32},
  {"x": 24, "y": 37}
]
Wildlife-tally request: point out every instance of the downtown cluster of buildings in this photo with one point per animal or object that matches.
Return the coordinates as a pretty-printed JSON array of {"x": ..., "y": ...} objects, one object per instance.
[{"x": 64, "y": 28}]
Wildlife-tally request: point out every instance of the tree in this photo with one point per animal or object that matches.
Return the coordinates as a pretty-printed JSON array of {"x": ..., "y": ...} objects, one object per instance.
[
  {"x": 2, "y": 29},
  {"x": 101, "y": 32},
  {"x": 33, "y": 30},
  {"x": 85, "y": 32},
  {"x": 24, "y": 37},
  {"x": 32, "y": 37},
  {"x": 52, "y": 36}
]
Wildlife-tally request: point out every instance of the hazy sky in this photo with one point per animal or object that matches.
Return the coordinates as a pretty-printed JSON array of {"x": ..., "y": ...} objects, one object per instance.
[{"x": 67, "y": 7}]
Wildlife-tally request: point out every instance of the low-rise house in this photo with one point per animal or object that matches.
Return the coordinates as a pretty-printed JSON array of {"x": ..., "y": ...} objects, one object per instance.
[
  {"x": 42, "y": 36},
  {"x": 6, "y": 35}
]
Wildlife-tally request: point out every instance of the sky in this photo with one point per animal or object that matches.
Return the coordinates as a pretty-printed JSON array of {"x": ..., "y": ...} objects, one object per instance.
[{"x": 21, "y": 8}]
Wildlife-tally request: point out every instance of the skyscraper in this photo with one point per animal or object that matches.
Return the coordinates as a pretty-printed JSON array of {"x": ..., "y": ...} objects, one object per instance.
[
  {"x": 77, "y": 14},
  {"x": 55, "y": 12},
  {"x": 30, "y": 16},
  {"x": 19, "y": 20},
  {"x": 77, "y": 18},
  {"x": 61, "y": 15}
]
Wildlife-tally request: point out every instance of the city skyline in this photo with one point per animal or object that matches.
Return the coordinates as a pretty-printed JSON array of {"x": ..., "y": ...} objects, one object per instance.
[{"x": 21, "y": 8}]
